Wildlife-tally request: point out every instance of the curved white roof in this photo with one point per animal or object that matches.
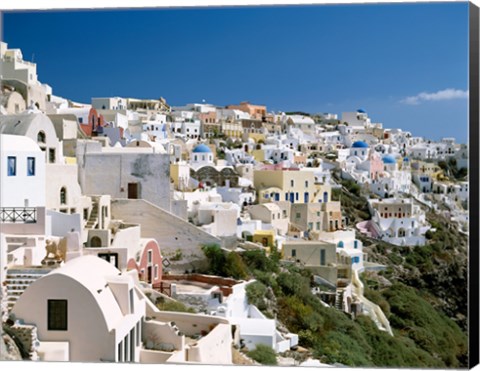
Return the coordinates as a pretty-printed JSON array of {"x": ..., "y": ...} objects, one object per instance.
[
  {"x": 17, "y": 143},
  {"x": 92, "y": 272}
]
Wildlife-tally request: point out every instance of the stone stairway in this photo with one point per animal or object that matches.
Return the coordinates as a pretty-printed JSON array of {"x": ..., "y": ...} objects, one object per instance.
[
  {"x": 17, "y": 281},
  {"x": 93, "y": 219},
  {"x": 339, "y": 299}
]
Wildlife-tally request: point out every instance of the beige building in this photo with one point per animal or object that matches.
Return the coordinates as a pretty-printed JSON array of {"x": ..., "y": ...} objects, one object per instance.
[
  {"x": 284, "y": 185},
  {"x": 318, "y": 256},
  {"x": 12, "y": 101},
  {"x": 317, "y": 217},
  {"x": 232, "y": 129},
  {"x": 22, "y": 75},
  {"x": 271, "y": 213}
]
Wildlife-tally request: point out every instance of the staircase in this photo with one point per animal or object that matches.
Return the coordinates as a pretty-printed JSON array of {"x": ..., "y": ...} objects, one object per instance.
[
  {"x": 369, "y": 308},
  {"x": 339, "y": 299},
  {"x": 93, "y": 220},
  {"x": 18, "y": 280}
]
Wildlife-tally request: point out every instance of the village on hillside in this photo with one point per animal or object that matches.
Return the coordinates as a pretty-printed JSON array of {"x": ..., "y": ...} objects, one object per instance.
[{"x": 125, "y": 223}]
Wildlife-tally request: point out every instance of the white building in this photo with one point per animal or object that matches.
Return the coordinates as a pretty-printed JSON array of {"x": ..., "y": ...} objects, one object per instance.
[
  {"x": 398, "y": 221},
  {"x": 113, "y": 103},
  {"x": 218, "y": 219},
  {"x": 85, "y": 311},
  {"x": 201, "y": 156},
  {"x": 22, "y": 172}
]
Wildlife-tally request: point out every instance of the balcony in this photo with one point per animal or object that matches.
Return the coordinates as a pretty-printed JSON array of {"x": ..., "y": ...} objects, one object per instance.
[{"x": 18, "y": 215}]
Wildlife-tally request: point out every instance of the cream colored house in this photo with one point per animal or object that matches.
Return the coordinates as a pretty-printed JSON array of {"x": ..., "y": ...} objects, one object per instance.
[
  {"x": 318, "y": 256},
  {"x": 286, "y": 185},
  {"x": 271, "y": 213}
]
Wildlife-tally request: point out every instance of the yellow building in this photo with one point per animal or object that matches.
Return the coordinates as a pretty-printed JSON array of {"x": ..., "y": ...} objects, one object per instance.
[
  {"x": 266, "y": 238},
  {"x": 232, "y": 129}
]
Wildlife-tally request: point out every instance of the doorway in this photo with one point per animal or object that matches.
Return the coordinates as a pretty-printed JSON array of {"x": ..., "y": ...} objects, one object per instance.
[{"x": 133, "y": 191}]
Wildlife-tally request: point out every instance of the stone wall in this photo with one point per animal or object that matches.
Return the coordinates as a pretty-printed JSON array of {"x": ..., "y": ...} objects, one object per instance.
[{"x": 27, "y": 335}]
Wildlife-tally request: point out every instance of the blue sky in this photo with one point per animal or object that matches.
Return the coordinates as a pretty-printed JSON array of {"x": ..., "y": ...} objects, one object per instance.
[{"x": 321, "y": 58}]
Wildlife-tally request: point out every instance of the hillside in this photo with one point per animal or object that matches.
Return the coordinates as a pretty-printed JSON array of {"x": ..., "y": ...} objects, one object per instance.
[{"x": 423, "y": 292}]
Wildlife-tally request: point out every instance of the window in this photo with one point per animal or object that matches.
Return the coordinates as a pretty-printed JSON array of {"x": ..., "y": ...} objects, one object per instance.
[
  {"x": 41, "y": 138},
  {"x": 112, "y": 258},
  {"x": 51, "y": 155},
  {"x": 306, "y": 184},
  {"x": 322, "y": 257},
  {"x": 294, "y": 253},
  {"x": 297, "y": 215},
  {"x": 149, "y": 254},
  {"x": 30, "y": 166},
  {"x": 130, "y": 294},
  {"x": 57, "y": 315},
  {"x": 12, "y": 166},
  {"x": 292, "y": 183},
  {"x": 156, "y": 271},
  {"x": 318, "y": 226},
  {"x": 63, "y": 196}
]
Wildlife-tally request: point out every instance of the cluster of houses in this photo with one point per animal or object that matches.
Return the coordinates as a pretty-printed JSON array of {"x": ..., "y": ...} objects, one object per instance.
[{"x": 105, "y": 207}]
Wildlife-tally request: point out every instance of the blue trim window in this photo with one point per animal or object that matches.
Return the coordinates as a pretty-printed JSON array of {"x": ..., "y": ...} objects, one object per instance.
[
  {"x": 30, "y": 166},
  {"x": 12, "y": 166}
]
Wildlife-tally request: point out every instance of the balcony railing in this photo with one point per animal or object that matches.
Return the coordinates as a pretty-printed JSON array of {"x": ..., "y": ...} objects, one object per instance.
[{"x": 18, "y": 215}]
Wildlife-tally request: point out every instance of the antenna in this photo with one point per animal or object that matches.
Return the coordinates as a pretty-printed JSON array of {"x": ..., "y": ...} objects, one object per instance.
[{"x": 33, "y": 57}]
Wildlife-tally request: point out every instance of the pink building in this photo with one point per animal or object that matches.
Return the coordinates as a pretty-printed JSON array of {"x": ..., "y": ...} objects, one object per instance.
[
  {"x": 149, "y": 263},
  {"x": 94, "y": 124},
  {"x": 376, "y": 165}
]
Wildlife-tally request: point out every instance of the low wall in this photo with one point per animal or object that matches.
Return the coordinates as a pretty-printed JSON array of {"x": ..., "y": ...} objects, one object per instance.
[
  {"x": 161, "y": 336},
  {"x": 215, "y": 348},
  {"x": 154, "y": 356}
]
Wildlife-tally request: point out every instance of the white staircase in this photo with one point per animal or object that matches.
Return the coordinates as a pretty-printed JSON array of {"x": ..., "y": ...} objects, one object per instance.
[{"x": 18, "y": 279}]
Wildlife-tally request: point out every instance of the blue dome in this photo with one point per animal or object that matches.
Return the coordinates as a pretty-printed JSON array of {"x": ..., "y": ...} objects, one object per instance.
[
  {"x": 360, "y": 110},
  {"x": 389, "y": 159},
  {"x": 359, "y": 144},
  {"x": 406, "y": 159},
  {"x": 202, "y": 148}
]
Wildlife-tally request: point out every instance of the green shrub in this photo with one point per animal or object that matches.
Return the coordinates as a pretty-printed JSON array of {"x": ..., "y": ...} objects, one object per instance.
[
  {"x": 263, "y": 354},
  {"x": 235, "y": 267},
  {"x": 173, "y": 306},
  {"x": 256, "y": 293}
]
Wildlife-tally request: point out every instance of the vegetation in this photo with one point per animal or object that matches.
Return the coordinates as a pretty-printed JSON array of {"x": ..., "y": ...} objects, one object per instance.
[
  {"x": 422, "y": 292},
  {"x": 177, "y": 256},
  {"x": 224, "y": 264},
  {"x": 263, "y": 354},
  {"x": 172, "y": 306}
]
